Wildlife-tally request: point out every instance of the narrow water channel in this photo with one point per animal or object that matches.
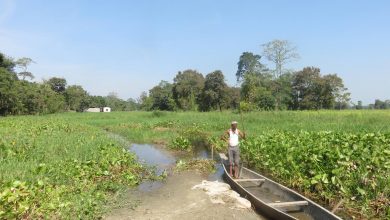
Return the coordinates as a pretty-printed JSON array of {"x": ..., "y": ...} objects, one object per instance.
[
  {"x": 164, "y": 161},
  {"x": 150, "y": 155}
]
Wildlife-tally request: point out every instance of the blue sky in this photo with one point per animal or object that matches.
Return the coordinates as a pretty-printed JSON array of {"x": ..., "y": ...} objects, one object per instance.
[{"x": 129, "y": 46}]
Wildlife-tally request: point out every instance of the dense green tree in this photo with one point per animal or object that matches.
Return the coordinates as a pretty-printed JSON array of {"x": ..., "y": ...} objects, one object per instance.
[
  {"x": 97, "y": 102},
  {"x": 281, "y": 90},
  {"x": 48, "y": 101},
  {"x": 27, "y": 94},
  {"x": 8, "y": 95},
  {"x": 39, "y": 99},
  {"x": 213, "y": 92},
  {"x": 187, "y": 87},
  {"x": 305, "y": 88},
  {"x": 162, "y": 97},
  {"x": 232, "y": 98},
  {"x": 115, "y": 103},
  {"x": 256, "y": 91},
  {"x": 57, "y": 84},
  {"x": 249, "y": 63},
  {"x": 359, "y": 105},
  {"x": 145, "y": 102},
  {"x": 132, "y": 105},
  {"x": 379, "y": 104},
  {"x": 77, "y": 99},
  {"x": 310, "y": 90},
  {"x": 7, "y": 63},
  {"x": 343, "y": 99},
  {"x": 251, "y": 83},
  {"x": 334, "y": 94}
]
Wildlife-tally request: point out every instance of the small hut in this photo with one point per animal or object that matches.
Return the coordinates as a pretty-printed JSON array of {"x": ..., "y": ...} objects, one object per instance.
[
  {"x": 93, "y": 110},
  {"x": 106, "y": 109}
]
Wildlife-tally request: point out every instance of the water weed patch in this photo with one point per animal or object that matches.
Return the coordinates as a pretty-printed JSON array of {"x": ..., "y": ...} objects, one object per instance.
[
  {"x": 331, "y": 166},
  {"x": 199, "y": 165},
  {"x": 53, "y": 168}
]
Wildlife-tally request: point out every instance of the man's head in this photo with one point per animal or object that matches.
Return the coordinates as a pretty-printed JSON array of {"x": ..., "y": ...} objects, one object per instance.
[{"x": 234, "y": 125}]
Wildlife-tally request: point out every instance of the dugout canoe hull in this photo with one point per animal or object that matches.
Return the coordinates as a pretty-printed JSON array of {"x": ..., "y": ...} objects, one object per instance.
[{"x": 274, "y": 200}]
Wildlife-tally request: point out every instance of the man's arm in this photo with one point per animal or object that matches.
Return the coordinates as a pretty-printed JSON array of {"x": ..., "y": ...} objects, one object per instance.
[
  {"x": 242, "y": 134},
  {"x": 225, "y": 135}
]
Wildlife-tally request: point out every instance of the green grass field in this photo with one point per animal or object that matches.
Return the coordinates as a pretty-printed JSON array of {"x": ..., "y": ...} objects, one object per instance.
[
  {"x": 328, "y": 155},
  {"x": 144, "y": 126}
]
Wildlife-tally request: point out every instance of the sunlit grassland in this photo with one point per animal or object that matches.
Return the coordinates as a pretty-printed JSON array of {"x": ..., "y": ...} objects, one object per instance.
[{"x": 149, "y": 126}]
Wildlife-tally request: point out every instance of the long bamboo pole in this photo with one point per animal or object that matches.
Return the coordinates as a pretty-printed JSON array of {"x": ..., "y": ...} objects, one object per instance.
[{"x": 243, "y": 128}]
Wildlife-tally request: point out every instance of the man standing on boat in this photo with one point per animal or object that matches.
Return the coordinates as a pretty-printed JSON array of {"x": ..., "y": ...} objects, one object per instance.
[{"x": 233, "y": 135}]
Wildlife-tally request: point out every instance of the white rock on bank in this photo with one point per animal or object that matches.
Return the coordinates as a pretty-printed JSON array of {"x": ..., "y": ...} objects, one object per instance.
[{"x": 221, "y": 193}]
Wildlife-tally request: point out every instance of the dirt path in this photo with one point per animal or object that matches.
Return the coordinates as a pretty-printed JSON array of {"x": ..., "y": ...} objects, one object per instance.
[{"x": 176, "y": 200}]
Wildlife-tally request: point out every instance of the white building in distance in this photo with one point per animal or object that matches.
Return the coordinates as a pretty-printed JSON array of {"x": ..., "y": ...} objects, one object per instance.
[{"x": 103, "y": 109}]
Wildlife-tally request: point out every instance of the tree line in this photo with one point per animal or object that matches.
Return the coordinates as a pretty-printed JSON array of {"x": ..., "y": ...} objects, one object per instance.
[
  {"x": 259, "y": 87},
  {"x": 20, "y": 96},
  {"x": 379, "y": 104}
]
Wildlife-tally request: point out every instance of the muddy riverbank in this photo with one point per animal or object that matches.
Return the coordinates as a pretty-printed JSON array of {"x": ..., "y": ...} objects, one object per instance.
[
  {"x": 173, "y": 198},
  {"x": 176, "y": 200}
]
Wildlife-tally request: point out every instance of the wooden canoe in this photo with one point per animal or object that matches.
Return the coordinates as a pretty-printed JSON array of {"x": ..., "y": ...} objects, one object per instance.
[{"x": 272, "y": 199}]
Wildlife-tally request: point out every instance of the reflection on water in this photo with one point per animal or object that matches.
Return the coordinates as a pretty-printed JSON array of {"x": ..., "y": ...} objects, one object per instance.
[
  {"x": 218, "y": 174},
  {"x": 152, "y": 156},
  {"x": 148, "y": 186},
  {"x": 201, "y": 152}
]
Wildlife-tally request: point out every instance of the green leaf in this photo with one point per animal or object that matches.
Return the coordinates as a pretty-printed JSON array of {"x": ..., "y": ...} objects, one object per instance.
[
  {"x": 333, "y": 179},
  {"x": 16, "y": 183},
  {"x": 361, "y": 191}
]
